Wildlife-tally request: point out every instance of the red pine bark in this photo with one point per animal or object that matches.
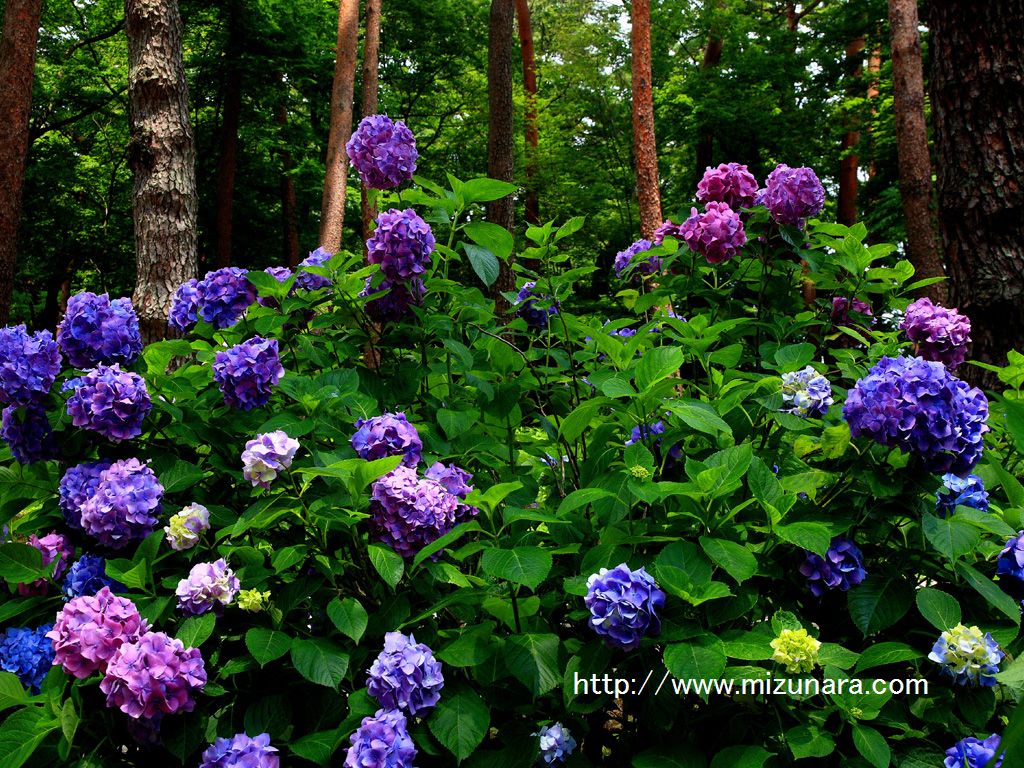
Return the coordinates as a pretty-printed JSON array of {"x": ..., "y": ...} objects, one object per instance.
[
  {"x": 371, "y": 66},
  {"x": 500, "y": 141},
  {"x": 645, "y": 150}
]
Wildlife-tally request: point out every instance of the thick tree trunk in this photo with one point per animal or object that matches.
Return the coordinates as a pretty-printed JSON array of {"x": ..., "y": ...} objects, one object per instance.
[
  {"x": 17, "y": 69},
  {"x": 531, "y": 135},
  {"x": 227, "y": 163},
  {"x": 500, "y": 141},
  {"x": 849, "y": 163},
  {"x": 912, "y": 146},
  {"x": 977, "y": 81},
  {"x": 645, "y": 149},
  {"x": 162, "y": 157},
  {"x": 371, "y": 65},
  {"x": 332, "y": 215}
]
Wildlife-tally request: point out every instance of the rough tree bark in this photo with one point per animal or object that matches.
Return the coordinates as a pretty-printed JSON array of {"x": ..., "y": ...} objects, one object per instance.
[
  {"x": 17, "y": 69},
  {"x": 228, "y": 139},
  {"x": 161, "y": 154},
  {"x": 849, "y": 163},
  {"x": 371, "y": 67},
  {"x": 332, "y": 215},
  {"x": 912, "y": 146},
  {"x": 645, "y": 150},
  {"x": 531, "y": 202},
  {"x": 500, "y": 141},
  {"x": 977, "y": 89}
]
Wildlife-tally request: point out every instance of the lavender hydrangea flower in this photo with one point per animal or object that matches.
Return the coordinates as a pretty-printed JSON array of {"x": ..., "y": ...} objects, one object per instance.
[
  {"x": 666, "y": 229},
  {"x": 183, "y": 530},
  {"x": 28, "y": 433},
  {"x": 793, "y": 194},
  {"x": 397, "y": 297},
  {"x": 939, "y": 334},
  {"x": 961, "y": 492},
  {"x": 967, "y": 655},
  {"x": 1011, "y": 559},
  {"x": 974, "y": 753},
  {"x": 124, "y": 506},
  {"x": 382, "y": 741},
  {"x": 53, "y": 546},
  {"x": 29, "y": 364},
  {"x": 110, "y": 401},
  {"x": 555, "y": 743},
  {"x": 919, "y": 407},
  {"x": 456, "y": 482},
  {"x": 153, "y": 674},
  {"x": 76, "y": 487},
  {"x": 224, "y": 296},
  {"x": 389, "y": 434},
  {"x": 383, "y": 151},
  {"x": 729, "y": 183},
  {"x": 405, "y": 675},
  {"x": 97, "y": 330},
  {"x": 27, "y": 653},
  {"x": 248, "y": 372},
  {"x": 307, "y": 280},
  {"x": 184, "y": 306},
  {"x": 623, "y": 605},
  {"x": 87, "y": 576},
  {"x": 841, "y": 568},
  {"x": 628, "y": 260},
  {"x": 526, "y": 306},
  {"x": 209, "y": 586},
  {"x": 241, "y": 751},
  {"x": 408, "y": 512},
  {"x": 401, "y": 243},
  {"x": 89, "y": 629},
  {"x": 266, "y": 455},
  {"x": 806, "y": 393},
  {"x": 717, "y": 234}
]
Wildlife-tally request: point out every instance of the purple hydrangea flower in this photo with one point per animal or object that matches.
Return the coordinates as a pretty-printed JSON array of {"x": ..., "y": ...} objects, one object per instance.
[
  {"x": 920, "y": 407},
  {"x": 405, "y": 675},
  {"x": 961, "y": 492},
  {"x": 555, "y": 743},
  {"x": 224, "y": 295},
  {"x": 209, "y": 586},
  {"x": 841, "y": 307},
  {"x": 967, "y": 655},
  {"x": 397, "y": 298},
  {"x": 124, "y": 506},
  {"x": 623, "y": 605},
  {"x": 110, "y": 401},
  {"x": 87, "y": 576},
  {"x": 717, "y": 234},
  {"x": 28, "y": 433},
  {"x": 974, "y": 753},
  {"x": 729, "y": 183},
  {"x": 939, "y": 334},
  {"x": 241, "y": 751},
  {"x": 806, "y": 393},
  {"x": 793, "y": 194},
  {"x": 89, "y": 629},
  {"x": 97, "y": 330},
  {"x": 153, "y": 674},
  {"x": 27, "y": 653},
  {"x": 309, "y": 281},
  {"x": 382, "y": 741},
  {"x": 645, "y": 433},
  {"x": 408, "y": 512},
  {"x": 456, "y": 481},
  {"x": 76, "y": 487},
  {"x": 184, "y": 306},
  {"x": 383, "y": 151},
  {"x": 184, "y": 528},
  {"x": 248, "y": 372},
  {"x": 526, "y": 306},
  {"x": 401, "y": 243},
  {"x": 389, "y": 434},
  {"x": 29, "y": 364},
  {"x": 666, "y": 229},
  {"x": 628, "y": 261},
  {"x": 841, "y": 568},
  {"x": 53, "y": 546},
  {"x": 266, "y": 455},
  {"x": 1011, "y": 559}
]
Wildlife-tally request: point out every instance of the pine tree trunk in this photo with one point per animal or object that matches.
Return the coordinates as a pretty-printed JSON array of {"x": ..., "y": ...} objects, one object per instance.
[
  {"x": 228, "y": 143},
  {"x": 500, "y": 141},
  {"x": 645, "y": 150},
  {"x": 332, "y": 215},
  {"x": 371, "y": 65},
  {"x": 531, "y": 135},
  {"x": 849, "y": 163},
  {"x": 162, "y": 157},
  {"x": 912, "y": 146},
  {"x": 17, "y": 70},
  {"x": 977, "y": 88}
]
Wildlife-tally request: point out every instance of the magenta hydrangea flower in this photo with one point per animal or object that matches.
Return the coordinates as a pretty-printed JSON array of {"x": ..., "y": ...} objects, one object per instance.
[
  {"x": 248, "y": 372},
  {"x": 184, "y": 306},
  {"x": 110, "y": 401},
  {"x": 408, "y": 512},
  {"x": 623, "y": 605},
  {"x": 383, "y": 151},
  {"x": 382, "y": 741},
  {"x": 241, "y": 751},
  {"x": 397, "y": 297},
  {"x": 89, "y": 629},
  {"x": 97, "y": 330},
  {"x": 309, "y": 281},
  {"x": 29, "y": 364},
  {"x": 76, "y": 487},
  {"x": 632, "y": 260},
  {"x": 209, "y": 586},
  {"x": 405, "y": 675},
  {"x": 152, "y": 675},
  {"x": 28, "y": 433},
  {"x": 266, "y": 455},
  {"x": 793, "y": 194},
  {"x": 666, "y": 229},
  {"x": 53, "y": 546},
  {"x": 939, "y": 334},
  {"x": 717, "y": 234},
  {"x": 224, "y": 295},
  {"x": 389, "y": 434},
  {"x": 401, "y": 243},
  {"x": 729, "y": 183},
  {"x": 124, "y": 505}
]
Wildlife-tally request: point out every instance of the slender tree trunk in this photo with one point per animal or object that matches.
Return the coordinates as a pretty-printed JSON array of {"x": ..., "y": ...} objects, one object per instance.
[
  {"x": 162, "y": 157},
  {"x": 712, "y": 56},
  {"x": 977, "y": 82},
  {"x": 228, "y": 141},
  {"x": 17, "y": 70},
  {"x": 849, "y": 163},
  {"x": 531, "y": 135},
  {"x": 332, "y": 215},
  {"x": 289, "y": 209},
  {"x": 912, "y": 146},
  {"x": 371, "y": 64},
  {"x": 500, "y": 141},
  {"x": 645, "y": 149}
]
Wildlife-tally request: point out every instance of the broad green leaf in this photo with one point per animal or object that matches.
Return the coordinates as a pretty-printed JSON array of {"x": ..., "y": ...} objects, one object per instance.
[
  {"x": 12, "y": 693},
  {"x": 528, "y": 566},
  {"x": 809, "y": 741},
  {"x": 316, "y": 747},
  {"x": 388, "y": 563},
  {"x": 181, "y": 476},
  {"x": 533, "y": 659},
  {"x": 940, "y": 610},
  {"x": 741, "y": 757},
  {"x": 348, "y": 616},
  {"x": 700, "y": 658},
  {"x": 484, "y": 190},
  {"x": 813, "y": 536},
  {"x": 320, "y": 661},
  {"x": 20, "y": 563},
  {"x": 657, "y": 364},
  {"x": 194, "y": 631},
  {"x": 455, "y": 423},
  {"x": 485, "y": 264},
  {"x": 881, "y": 654},
  {"x": 988, "y": 589},
  {"x": 266, "y": 645},
  {"x": 951, "y": 537},
  {"x": 21, "y": 733},
  {"x": 879, "y": 602},
  {"x": 460, "y": 721},
  {"x": 699, "y": 416},
  {"x": 440, "y": 543},
  {"x": 581, "y": 498},
  {"x": 736, "y": 559},
  {"x": 871, "y": 745},
  {"x": 492, "y": 237}
]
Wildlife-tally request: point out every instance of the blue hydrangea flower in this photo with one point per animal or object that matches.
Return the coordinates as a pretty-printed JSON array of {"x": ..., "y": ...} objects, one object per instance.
[
  {"x": 87, "y": 576},
  {"x": 29, "y": 364},
  {"x": 806, "y": 393},
  {"x": 555, "y": 742},
  {"x": 401, "y": 243},
  {"x": 383, "y": 151},
  {"x": 961, "y": 492},
  {"x": 623, "y": 605},
  {"x": 97, "y": 330},
  {"x": 632, "y": 260},
  {"x": 307, "y": 280},
  {"x": 841, "y": 568},
  {"x": 110, "y": 401},
  {"x": 28, "y": 653},
  {"x": 28, "y": 434},
  {"x": 967, "y": 655},
  {"x": 1011, "y": 559},
  {"x": 241, "y": 751},
  {"x": 184, "y": 306},
  {"x": 382, "y": 741},
  {"x": 526, "y": 306},
  {"x": 405, "y": 675},
  {"x": 389, "y": 434},
  {"x": 224, "y": 296},
  {"x": 973, "y": 753},
  {"x": 76, "y": 487},
  {"x": 248, "y": 372}
]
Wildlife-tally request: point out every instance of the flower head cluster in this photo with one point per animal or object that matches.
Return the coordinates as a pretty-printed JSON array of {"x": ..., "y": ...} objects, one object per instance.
[
  {"x": 938, "y": 333},
  {"x": 806, "y": 393},
  {"x": 456, "y": 482},
  {"x": 967, "y": 655},
  {"x": 183, "y": 530},
  {"x": 89, "y": 629},
  {"x": 97, "y": 330},
  {"x": 125, "y": 504},
  {"x": 28, "y": 433},
  {"x": 266, "y": 455},
  {"x": 645, "y": 433},
  {"x": 247, "y": 372},
  {"x": 87, "y": 576},
  {"x": 309, "y": 281},
  {"x": 1011, "y": 559},
  {"x": 729, "y": 183},
  {"x": 389, "y": 434},
  {"x": 397, "y": 297},
  {"x": 53, "y": 546},
  {"x": 408, "y": 512},
  {"x": 401, "y": 243},
  {"x": 793, "y": 194},
  {"x": 252, "y": 600},
  {"x": 526, "y": 306},
  {"x": 974, "y": 753},
  {"x": 633, "y": 262},
  {"x": 382, "y": 741},
  {"x": 209, "y": 586},
  {"x": 184, "y": 306},
  {"x": 224, "y": 295},
  {"x": 241, "y": 751},
  {"x": 110, "y": 401},
  {"x": 796, "y": 650},
  {"x": 961, "y": 492},
  {"x": 555, "y": 743},
  {"x": 152, "y": 675},
  {"x": 623, "y": 605},
  {"x": 842, "y": 567},
  {"x": 842, "y": 306},
  {"x": 76, "y": 487},
  {"x": 919, "y": 407},
  {"x": 383, "y": 151},
  {"x": 27, "y": 653},
  {"x": 29, "y": 364},
  {"x": 405, "y": 675},
  {"x": 666, "y": 229},
  {"x": 717, "y": 234}
]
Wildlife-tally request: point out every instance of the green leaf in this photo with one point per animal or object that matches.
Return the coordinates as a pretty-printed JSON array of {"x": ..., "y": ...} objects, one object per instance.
[
  {"x": 316, "y": 747},
  {"x": 460, "y": 721},
  {"x": 580, "y": 418},
  {"x": 533, "y": 659},
  {"x": 474, "y": 646},
  {"x": 700, "y": 658},
  {"x": 21, "y": 563},
  {"x": 871, "y": 745},
  {"x": 194, "y": 631},
  {"x": 993, "y": 594},
  {"x": 348, "y": 616},
  {"x": 794, "y": 357},
  {"x": 881, "y": 654},
  {"x": 388, "y": 563},
  {"x": 133, "y": 576},
  {"x": 320, "y": 661},
  {"x": 951, "y": 537},
  {"x": 835, "y": 440},
  {"x": 813, "y": 536},
  {"x": 492, "y": 237},
  {"x": 573, "y": 225},
  {"x": 484, "y": 263},
  {"x": 455, "y": 423},
  {"x": 12, "y": 693},
  {"x": 581, "y": 498},
  {"x": 809, "y": 741},
  {"x": 741, "y": 757},
  {"x": 940, "y": 610},
  {"x": 69, "y": 720},
  {"x": 879, "y": 602},
  {"x": 699, "y": 416},
  {"x": 441, "y": 542},
  {"x": 484, "y": 190},
  {"x": 368, "y": 471},
  {"x": 736, "y": 559},
  {"x": 21, "y": 733},
  {"x": 528, "y": 566},
  {"x": 657, "y": 364},
  {"x": 266, "y": 645},
  {"x": 181, "y": 476}
]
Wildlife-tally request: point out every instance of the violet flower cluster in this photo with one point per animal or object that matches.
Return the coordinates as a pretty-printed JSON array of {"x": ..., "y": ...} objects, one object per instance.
[
  {"x": 405, "y": 675},
  {"x": 456, "y": 481},
  {"x": 842, "y": 567},
  {"x": 394, "y": 300},
  {"x": 408, "y": 512},
  {"x": 110, "y": 401},
  {"x": 87, "y": 576},
  {"x": 266, "y": 455},
  {"x": 389, "y": 434},
  {"x": 209, "y": 586},
  {"x": 248, "y": 372},
  {"x": 152, "y": 675},
  {"x": 975, "y": 753},
  {"x": 27, "y": 653},
  {"x": 526, "y": 306},
  {"x": 241, "y": 751},
  {"x": 939, "y": 334},
  {"x": 53, "y": 546},
  {"x": 223, "y": 296},
  {"x": 76, "y": 487},
  {"x": 793, "y": 194},
  {"x": 309, "y": 281},
  {"x": 28, "y": 433},
  {"x": 97, "y": 330},
  {"x": 89, "y": 629},
  {"x": 29, "y": 364},
  {"x": 184, "y": 306},
  {"x": 729, "y": 183},
  {"x": 381, "y": 741},
  {"x": 666, "y": 229},
  {"x": 959, "y": 491},
  {"x": 646, "y": 434},
  {"x": 632, "y": 262},
  {"x": 555, "y": 743},
  {"x": 383, "y": 151},
  {"x": 401, "y": 243},
  {"x": 717, "y": 233},
  {"x": 124, "y": 506},
  {"x": 623, "y": 605},
  {"x": 806, "y": 393}
]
